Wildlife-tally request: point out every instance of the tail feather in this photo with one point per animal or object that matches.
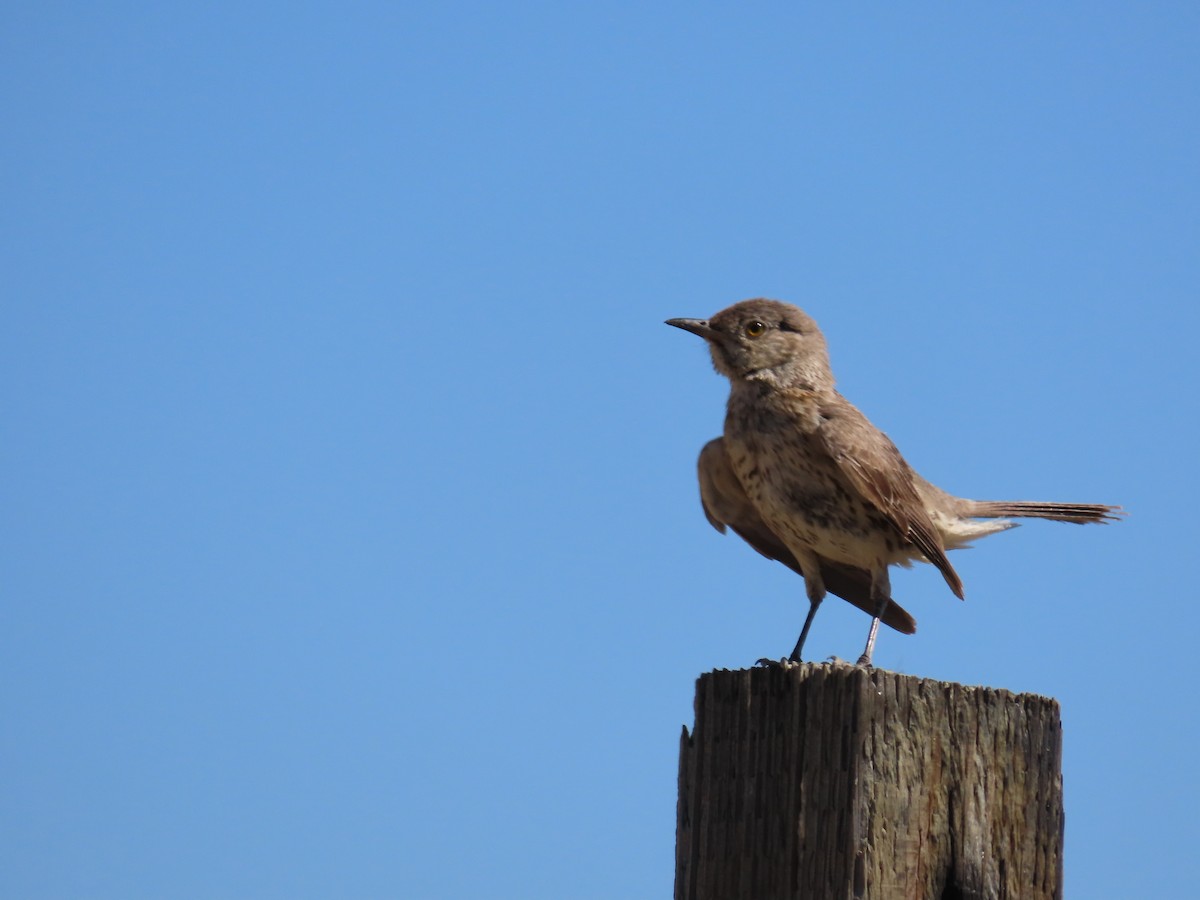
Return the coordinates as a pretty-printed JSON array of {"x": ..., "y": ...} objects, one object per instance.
[
  {"x": 854, "y": 586},
  {"x": 1079, "y": 513}
]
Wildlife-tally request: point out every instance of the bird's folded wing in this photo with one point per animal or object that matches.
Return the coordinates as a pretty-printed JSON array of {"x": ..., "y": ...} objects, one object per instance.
[{"x": 874, "y": 468}]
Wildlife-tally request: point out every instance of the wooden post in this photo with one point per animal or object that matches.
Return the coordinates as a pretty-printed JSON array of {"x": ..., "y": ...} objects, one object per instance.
[{"x": 834, "y": 781}]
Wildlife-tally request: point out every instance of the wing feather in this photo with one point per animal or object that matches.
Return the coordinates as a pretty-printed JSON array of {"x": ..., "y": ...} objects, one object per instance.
[{"x": 875, "y": 469}]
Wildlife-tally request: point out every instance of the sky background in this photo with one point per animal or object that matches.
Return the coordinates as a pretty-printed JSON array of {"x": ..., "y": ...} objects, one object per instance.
[{"x": 351, "y": 545}]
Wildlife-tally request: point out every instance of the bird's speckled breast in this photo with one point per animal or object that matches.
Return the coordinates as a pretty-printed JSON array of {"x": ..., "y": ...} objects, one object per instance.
[{"x": 798, "y": 489}]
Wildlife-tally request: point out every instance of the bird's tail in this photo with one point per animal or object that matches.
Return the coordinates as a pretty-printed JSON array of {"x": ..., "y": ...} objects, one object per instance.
[{"x": 1079, "y": 513}]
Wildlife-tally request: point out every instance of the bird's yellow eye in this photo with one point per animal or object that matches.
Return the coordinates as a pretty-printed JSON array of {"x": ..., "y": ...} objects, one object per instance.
[{"x": 755, "y": 329}]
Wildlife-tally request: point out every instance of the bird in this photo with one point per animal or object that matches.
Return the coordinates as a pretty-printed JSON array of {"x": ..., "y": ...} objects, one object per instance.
[{"x": 805, "y": 478}]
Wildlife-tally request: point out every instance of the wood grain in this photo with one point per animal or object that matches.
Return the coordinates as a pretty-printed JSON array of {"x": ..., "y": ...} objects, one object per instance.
[{"x": 832, "y": 781}]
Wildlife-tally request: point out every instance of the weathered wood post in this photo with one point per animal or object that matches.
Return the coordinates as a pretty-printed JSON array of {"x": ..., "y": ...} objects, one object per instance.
[{"x": 834, "y": 781}]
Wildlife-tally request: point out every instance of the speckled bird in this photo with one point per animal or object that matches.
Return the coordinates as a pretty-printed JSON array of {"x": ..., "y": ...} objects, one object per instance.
[{"x": 805, "y": 478}]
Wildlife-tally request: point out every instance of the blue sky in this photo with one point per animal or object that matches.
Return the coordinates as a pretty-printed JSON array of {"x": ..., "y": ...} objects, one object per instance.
[{"x": 351, "y": 538}]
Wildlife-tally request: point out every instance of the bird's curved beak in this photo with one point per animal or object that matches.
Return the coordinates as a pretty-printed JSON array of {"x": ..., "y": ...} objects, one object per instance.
[{"x": 695, "y": 326}]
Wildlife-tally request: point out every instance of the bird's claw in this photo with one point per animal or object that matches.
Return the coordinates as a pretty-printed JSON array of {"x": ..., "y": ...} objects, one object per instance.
[{"x": 783, "y": 663}]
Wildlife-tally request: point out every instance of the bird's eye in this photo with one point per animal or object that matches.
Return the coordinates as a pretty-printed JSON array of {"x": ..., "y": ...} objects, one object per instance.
[{"x": 755, "y": 328}]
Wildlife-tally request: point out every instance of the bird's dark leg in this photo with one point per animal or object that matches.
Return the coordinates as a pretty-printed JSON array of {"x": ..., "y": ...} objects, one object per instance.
[
  {"x": 813, "y": 606},
  {"x": 881, "y": 593},
  {"x": 814, "y": 586}
]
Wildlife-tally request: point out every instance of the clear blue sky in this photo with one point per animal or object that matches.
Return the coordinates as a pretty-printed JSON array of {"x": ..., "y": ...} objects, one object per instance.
[{"x": 351, "y": 541}]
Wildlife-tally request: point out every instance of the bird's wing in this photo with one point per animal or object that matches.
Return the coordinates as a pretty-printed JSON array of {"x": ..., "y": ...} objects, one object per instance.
[
  {"x": 874, "y": 467},
  {"x": 726, "y": 503}
]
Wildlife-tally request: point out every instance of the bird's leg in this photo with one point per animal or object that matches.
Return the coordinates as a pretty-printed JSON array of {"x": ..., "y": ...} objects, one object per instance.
[
  {"x": 808, "y": 620},
  {"x": 881, "y": 594},
  {"x": 814, "y": 586}
]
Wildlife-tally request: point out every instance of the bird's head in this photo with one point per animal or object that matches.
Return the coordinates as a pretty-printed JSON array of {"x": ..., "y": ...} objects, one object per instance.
[{"x": 765, "y": 340}]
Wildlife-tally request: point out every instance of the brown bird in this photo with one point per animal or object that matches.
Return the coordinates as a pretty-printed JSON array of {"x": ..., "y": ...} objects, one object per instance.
[{"x": 822, "y": 489}]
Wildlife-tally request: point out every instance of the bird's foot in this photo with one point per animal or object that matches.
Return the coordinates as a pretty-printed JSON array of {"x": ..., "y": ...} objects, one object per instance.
[{"x": 784, "y": 663}]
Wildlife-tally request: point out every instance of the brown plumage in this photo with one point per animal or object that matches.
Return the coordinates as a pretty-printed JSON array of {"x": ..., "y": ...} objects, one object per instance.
[
  {"x": 866, "y": 458},
  {"x": 822, "y": 489},
  {"x": 726, "y": 504}
]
